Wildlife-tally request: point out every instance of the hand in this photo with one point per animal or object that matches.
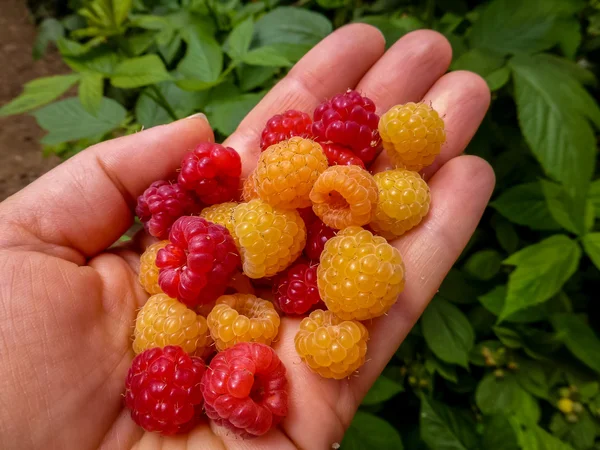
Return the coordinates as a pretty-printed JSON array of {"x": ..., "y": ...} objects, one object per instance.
[{"x": 68, "y": 300}]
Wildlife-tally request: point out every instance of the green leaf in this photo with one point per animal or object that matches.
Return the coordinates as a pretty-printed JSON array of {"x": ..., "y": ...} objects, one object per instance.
[
  {"x": 457, "y": 289},
  {"x": 514, "y": 26},
  {"x": 568, "y": 68},
  {"x": 484, "y": 264},
  {"x": 393, "y": 28},
  {"x": 507, "y": 235},
  {"x": 580, "y": 434},
  {"x": 555, "y": 122},
  {"x": 150, "y": 114},
  {"x": 569, "y": 36},
  {"x": 505, "y": 396},
  {"x": 560, "y": 204},
  {"x": 525, "y": 204},
  {"x": 499, "y": 434},
  {"x": 138, "y": 72},
  {"x": 579, "y": 338},
  {"x": 203, "y": 60},
  {"x": 435, "y": 365},
  {"x": 252, "y": 77},
  {"x": 140, "y": 42},
  {"x": 67, "y": 120},
  {"x": 508, "y": 337},
  {"x": 226, "y": 115},
  {"x": 332, "y": 4},
  {"x": 91, "y": 90},
  {"x": 369, "y": 431},
  {"x": 541, "y": 271},
  {"x": 100, "y": 60},
  {"x": 482, "y": 62},
  {"x": 591, "y": 245},
  {"x": 292, "y": 31},
  {"x": 447, "y": 332},
  {"x": 121, "y": 9},
  {"x": 238, "y": 42},
  {"x": 498, "y": 78},
  {"x": 445, "y": 428},
  {"x": 266, "y": 56},
  {"x": 382, "y": 390},
  {"x": 39, "y": 92},
  {"x": 494, "y": 301},
  {"x": 594, "y": 196},
  {"x": 531, "y": 376},
  {"x": 50, "y": 30},
  {"x": 533, "y": 437}
]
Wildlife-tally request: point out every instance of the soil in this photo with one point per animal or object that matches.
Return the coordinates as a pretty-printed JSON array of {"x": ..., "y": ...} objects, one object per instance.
[{"x": 21, "y": 159}]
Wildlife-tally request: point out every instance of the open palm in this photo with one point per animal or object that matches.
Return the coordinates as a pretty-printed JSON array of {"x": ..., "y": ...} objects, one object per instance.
[{"x": 68, "y": 303}]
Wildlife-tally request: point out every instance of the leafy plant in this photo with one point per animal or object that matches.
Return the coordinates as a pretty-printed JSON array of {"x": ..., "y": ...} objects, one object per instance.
[{"x": 507, "y": 356}]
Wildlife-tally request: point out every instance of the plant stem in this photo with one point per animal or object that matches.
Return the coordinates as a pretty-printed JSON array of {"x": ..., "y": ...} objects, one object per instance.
[
  {"x": 429, "y": 13},
  {"x": 162, "y": 101}
]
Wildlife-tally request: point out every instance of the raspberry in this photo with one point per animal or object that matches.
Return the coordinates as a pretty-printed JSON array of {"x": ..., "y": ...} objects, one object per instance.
[
  {"x": 242, "y": 318},
  {"x": 360, "y": 275},
  {"x": 308, "y": 215},
  {"x": 162, "y": 204},
  {"x": 403, "y": 202},
  {"x": 195, "y": 267},
  {"x": 331, "y": 347},
  {"x": 340, "y": 156},
  {"x": 283, "y": 126},
  {"x": 164, "y": 321},
  {"x": 297, "y": 290},
  {"x": 270, "y": 238},
  {"x": 349, "y": 120},
  {"x": 245, "y": 389},
  {"x": 213, "y": 171},
  {"x": 163, "y": 390},
  {"x": 148, "y": 271},
  {"x": 316, "y": 237},
  {"x": 221, "y": 214},
  {"x": 286, "y": 172},
  {"x": 249, "y": 188},
  {"x": 412, "y": 135},
  {"x": 344, "y": 196}
]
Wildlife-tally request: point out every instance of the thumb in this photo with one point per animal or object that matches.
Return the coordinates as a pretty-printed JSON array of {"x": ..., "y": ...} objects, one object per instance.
[{"x": 84, "y": 205}]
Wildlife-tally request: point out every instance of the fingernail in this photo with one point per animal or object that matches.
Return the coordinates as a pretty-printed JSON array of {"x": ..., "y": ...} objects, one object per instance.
[{"x": 198, "y": 116}]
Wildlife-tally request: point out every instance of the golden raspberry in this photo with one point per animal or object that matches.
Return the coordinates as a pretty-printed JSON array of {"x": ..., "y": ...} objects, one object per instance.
[
  {"x": 249, "y": 188},
  {"x": 287, "y": 171},
  {"x": 148, "y": 270},
  {"x": 165, "y": 321},
  {"x": 412, "y": 135},
  {"x": 360, "y": 275},
  {"x": 270, "y": 239},
  {"x": 221, "y": 214},
  {"x": 331, "y": 347},
  {"x": 344, "y": 196},
  {"x": 242, "y": 318},
  {"x": 403, "y": 202}
]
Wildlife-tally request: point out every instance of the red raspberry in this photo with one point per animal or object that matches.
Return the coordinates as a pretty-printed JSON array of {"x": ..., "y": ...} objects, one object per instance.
[
  {"x": 341, "y": 156},
  {"x": 297, "y": 291},
  {"x": 163, "y": 390},
  {"x": 245, "y": 389},
  {"x": 213, "y": 171},
  {"x": 283, "y": 126},
  {"x": 162, "y": 204},
  {"x": 307, "y": 215},
  {"x": 196, "y": 266},
  {"x": 316, "y": 237},
  {"x": 348, "y": 119}
]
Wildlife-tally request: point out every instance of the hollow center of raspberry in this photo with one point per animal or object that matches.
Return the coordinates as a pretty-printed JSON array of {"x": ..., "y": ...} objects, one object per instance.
[
  {"x": 257, "y": 394},
  {"x": 337, "y": 201}
]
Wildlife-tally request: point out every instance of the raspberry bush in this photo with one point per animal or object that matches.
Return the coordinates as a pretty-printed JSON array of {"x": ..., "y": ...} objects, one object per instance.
[{"x": 506, "y": 355}]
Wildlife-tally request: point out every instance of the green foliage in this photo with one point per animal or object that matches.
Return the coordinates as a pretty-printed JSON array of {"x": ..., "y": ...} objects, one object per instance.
[{"x": 514, "y": 327}]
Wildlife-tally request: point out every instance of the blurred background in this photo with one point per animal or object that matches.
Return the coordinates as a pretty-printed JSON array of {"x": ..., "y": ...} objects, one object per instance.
[{"x": 507, "y": 356}]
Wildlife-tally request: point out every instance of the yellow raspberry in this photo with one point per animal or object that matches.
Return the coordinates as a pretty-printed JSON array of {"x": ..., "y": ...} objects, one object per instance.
[
  {"x": 242, "y": 318},
  {"x": 221, "y": 214},
  {"x": 165, "y": 321},
  {"x": 412, "y": 135},
  {"x": 249, "y": 188},
  {"x": 565, "y": 405},
  {"x": 148, "y": 271},
  {"x": 360, "y": 275},
  {"x": 331, "y": 347},
  {"x": 344, "y": 196},
  {"x": 287, "y": 171},
  {"x": 270, "y": 239},
  {"x": 403, "y": 202}
]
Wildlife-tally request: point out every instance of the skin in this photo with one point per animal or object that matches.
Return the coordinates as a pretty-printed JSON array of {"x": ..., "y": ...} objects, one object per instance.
[{"x": 68, "y": 301}]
